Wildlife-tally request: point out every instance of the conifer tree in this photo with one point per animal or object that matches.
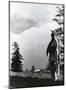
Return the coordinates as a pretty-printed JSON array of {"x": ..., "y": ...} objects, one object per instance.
[{"x": 16, "y": 65}]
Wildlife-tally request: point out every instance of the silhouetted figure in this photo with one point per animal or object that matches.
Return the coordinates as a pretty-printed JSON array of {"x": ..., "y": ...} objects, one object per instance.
[
  {"x": 33, "y": 69},
  {"x": 51, "y": 49}
]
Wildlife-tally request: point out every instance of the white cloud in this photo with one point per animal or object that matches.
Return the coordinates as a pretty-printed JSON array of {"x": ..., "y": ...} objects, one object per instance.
[{"x": 19, "y": 24}]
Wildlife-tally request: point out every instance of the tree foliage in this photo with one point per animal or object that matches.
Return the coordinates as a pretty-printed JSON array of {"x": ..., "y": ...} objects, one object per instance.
[
  {"x": 59, "y": 17},
  {"x": 16, "y": 65},
  {"x": 59, "y": 32}
]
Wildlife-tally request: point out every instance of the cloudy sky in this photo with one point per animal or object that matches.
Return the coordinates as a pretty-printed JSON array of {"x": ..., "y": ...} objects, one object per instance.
[{"x": 30, "y": 26}]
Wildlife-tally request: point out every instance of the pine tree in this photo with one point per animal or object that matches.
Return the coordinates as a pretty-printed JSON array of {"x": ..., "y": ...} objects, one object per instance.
[{"x": 16, "y": 65}]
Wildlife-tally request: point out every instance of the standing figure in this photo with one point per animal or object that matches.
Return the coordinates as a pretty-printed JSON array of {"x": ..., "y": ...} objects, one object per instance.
[
  {"x": 32, "y": 70},
  {"x": 51, "y": 50}
]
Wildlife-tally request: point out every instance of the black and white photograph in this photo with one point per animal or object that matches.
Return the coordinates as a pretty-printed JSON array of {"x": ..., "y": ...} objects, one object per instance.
[{"x": 36, "y": 32}]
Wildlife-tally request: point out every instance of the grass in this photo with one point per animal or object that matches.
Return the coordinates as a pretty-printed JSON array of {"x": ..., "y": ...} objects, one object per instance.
[{"x": 21, "y": 82}]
